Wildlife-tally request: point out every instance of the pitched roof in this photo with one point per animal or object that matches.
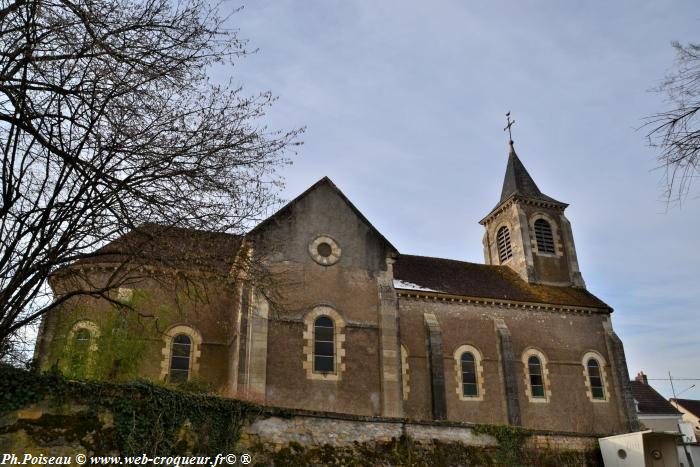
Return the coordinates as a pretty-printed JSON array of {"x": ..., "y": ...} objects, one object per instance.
[
  {"x": 327, "y": 182},
  {"x": 691, "y": 405},
  {"x": 518, "y": 181},
  {"x": 484, "y": 281},
  {"x": 171, "y": 247},
  {"x": 649, "y": 401}
]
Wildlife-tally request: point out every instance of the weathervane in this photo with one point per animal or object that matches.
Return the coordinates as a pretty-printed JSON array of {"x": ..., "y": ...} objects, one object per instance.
[{"x": 510, "y": 124}]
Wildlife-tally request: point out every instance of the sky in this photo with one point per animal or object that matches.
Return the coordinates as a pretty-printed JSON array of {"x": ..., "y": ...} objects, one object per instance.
[{"x": 404, "y": 106}]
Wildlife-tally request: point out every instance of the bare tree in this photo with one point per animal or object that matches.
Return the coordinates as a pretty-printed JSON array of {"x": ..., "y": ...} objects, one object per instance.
[
  {"x": 108, "y": 121},
  {"x": 676, "y": 132}
]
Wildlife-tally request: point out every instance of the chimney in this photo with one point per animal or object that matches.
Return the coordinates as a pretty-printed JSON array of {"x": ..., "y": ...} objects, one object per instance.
[{"x": 642, "y": 378}]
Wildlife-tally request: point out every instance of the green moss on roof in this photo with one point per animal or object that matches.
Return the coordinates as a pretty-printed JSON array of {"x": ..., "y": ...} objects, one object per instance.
[{"x": 486, "y": 281}]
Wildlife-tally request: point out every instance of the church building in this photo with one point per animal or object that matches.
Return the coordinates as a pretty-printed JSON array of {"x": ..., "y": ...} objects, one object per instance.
[{"x": 315, "y": 309}]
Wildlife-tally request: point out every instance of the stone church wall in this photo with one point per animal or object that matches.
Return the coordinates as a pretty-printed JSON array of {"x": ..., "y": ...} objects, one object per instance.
[
  {"x": 348, "y": 290},
  {"x": 562, "y": 338},
  {"x": 130, "y": 339},
  {"x": 551, "y": 268},
  {"x": 358, "y": 390}
]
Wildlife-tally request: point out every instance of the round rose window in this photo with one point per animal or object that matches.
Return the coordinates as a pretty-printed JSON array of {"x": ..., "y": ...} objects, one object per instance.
[{"x": 324, "y": 250}]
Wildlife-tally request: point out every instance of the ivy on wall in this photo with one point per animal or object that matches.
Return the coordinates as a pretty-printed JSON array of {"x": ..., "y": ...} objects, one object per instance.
[
  {"x": 124, "y": 340},
  {"x": 510, "y": 441},
  {"x": 406, "y": 452},
  {"x": 145, "y": 417},
  {"x": 118, "y": 354},
  {"x": 128, "y": 342},
  {"x": 141, "y": 417}
]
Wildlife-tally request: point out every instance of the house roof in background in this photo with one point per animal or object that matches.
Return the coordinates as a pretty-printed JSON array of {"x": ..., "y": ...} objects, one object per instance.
[
  {"x": 690, "y": 405},
  {"x": 649, "y": 401}
]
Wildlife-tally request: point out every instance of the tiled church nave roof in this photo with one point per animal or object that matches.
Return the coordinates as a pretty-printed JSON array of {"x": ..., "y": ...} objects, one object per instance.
[
  {"x": 168, "y": 246},
  {"x": 484, "y": 281}
]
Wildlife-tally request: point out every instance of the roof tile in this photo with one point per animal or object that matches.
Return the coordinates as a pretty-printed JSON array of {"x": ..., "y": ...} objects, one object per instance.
[
  {"x": 487, "y": 281},
  {"x": 649, "y": 401},
  {"x": 691, "y": 405},
  {"x": 518, "y": 181},
  {"x": 171, "y": 247}
]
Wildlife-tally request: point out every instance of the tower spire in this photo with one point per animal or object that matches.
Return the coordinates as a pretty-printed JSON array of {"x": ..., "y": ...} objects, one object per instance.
[
  {"x": 528, "y": 231},
  {"x": 517, "y": 180}
]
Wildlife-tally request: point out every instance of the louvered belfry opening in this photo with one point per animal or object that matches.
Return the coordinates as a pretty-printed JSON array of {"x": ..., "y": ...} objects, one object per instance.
[
  {"x": 545, "y": 238},
  {"x": 505, "y": 251}
]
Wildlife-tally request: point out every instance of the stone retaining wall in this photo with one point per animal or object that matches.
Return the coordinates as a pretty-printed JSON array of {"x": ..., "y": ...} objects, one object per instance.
[
  {"x": 280, "y": 427},
  {"x": 72, "y": 425},
  {"x": 309, "y": 430}
]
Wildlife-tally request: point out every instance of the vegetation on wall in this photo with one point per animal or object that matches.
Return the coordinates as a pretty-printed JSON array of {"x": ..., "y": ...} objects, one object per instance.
[
  {"x": 125, "y": 337},
  {"x": 406, "y": 452},
  {"x": 510, "y": 441},
  {"x": 395, "y": 452},
  {"x": 115, "y": 354},
  {"x": 144, "y": 417},
  {"x": 140, "y": 417}
]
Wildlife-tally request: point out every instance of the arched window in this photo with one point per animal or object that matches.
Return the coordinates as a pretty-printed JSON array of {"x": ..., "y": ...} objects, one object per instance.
[
  {"x": 470, "y": 386},
  {"x": 324, "y": 345},
  {"x": 324, "y": 342},
  {"x": 182, "y": 349},
  {"x": 469, "y": 374},
  {"x": 593, "y": 365},
  {"x": 595, "y": 379},
  {"x": 180, "y": 358},
  {"x": 81, "y": 348},
  {"x": 534, "y": 369},
  {"x": 82, "y": 338},
  {"x": 544, "y": 236},
  {"x": 505, "y": 252},
  {"x": 79, "y": 353}
]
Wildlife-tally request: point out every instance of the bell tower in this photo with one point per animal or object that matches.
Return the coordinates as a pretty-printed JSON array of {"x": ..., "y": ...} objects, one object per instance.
[{"x": 528, "y": 231}]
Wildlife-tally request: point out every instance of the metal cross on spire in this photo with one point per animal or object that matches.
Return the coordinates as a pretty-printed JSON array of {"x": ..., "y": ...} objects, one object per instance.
[{"x": 510, "y": 124}]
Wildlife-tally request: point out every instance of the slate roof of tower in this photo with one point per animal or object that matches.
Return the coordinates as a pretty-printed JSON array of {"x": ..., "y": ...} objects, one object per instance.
[
  {"x": 691, "y": 405},
  {"x": 484, "y": 281},
  {"x": 649, "y": 401},
  {"x": 518, "y": 181}
]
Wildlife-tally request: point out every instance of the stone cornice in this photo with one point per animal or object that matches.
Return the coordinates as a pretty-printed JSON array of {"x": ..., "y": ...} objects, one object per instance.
[
  {"x": 523, "y": 200},
  {"x": 500, "y": 303}
]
